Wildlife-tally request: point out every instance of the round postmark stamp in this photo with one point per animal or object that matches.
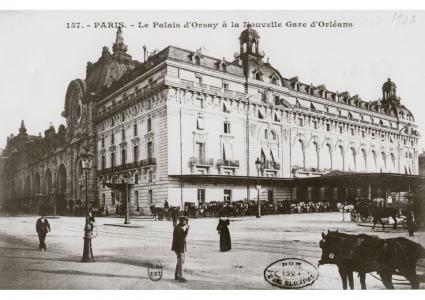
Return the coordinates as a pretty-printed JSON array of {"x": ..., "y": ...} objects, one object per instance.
[
  {"x": 155, "y": 270},
  {"x": 291, "y": 273}
]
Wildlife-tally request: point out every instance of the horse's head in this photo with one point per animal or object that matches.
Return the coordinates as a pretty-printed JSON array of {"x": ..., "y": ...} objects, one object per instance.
[{"x": 330, "y": 245}]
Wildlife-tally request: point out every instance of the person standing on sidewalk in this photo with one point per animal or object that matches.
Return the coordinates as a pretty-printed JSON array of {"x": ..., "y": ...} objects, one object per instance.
[
  {"x": 410, "y": 222},
  {"x": 42, "y": 227},
  {"x": 179, "y": 246}
]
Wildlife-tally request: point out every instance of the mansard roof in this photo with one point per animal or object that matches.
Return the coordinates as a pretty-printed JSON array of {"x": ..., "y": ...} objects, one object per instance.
[{"x": 113, "y": 73}]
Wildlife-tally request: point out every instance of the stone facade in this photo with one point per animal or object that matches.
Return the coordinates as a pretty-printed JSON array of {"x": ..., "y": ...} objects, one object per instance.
[{"x": 165, "y": 124}]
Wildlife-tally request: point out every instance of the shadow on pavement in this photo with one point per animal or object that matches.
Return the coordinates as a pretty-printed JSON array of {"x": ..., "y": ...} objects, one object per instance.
[{"x": 81, "y": 273}]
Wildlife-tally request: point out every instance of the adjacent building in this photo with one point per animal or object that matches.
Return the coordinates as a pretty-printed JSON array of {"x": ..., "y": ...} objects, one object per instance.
[{"x": 187, "y": 127}]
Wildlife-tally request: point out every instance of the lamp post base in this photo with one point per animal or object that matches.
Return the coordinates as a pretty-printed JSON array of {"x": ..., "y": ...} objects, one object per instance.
[{"x": 87, "y": 251}]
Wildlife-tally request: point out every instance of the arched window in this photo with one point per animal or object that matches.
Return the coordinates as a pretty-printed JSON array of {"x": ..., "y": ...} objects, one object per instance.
[
  {"x": 392, "y": 167},
  {"x": 37, "y": 184},
  {"x": 298, "y": 155},
  {"x": 312, "y": 157},
  {"x": 383, "y": 163},
  {"x": 362, "y": 161},
  {"x": 351, "y": 162},
  {"x": 244, "y": 47},
  {"x": 254, "y": 47},
  {"x": 326, "y": 158},
  {"x": 339, "y": 159},
  {"x": 49, "y": 181},
  {"x": 372, "y": 164}
]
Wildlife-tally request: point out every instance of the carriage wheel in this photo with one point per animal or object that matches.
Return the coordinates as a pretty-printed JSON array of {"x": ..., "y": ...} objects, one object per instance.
[
  {"x": 354, "y": 216},
  {"x": 365, "y": 218}
]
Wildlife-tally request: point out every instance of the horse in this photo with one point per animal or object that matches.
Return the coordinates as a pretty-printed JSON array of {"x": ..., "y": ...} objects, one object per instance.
[
  {"x": 157, "y": 212},
  {"x": 364, "y": 254},
  {"x": 383, "y": 212}
]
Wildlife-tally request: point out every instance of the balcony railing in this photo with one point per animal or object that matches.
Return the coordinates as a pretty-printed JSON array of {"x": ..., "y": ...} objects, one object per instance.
[
  {"x": 310, "y": 170},
  {"x": 228, "y": 163},
  {"x": 271, "y": 165},
  {"x": 200, "y": 161},
  {"x": 133, "y": 165}
]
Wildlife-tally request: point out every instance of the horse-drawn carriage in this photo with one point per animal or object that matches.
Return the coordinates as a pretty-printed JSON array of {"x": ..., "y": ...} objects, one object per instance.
[
  {"x": 193, "y": 211},
  {"x": 375, "y": 211},
  {"x": 361, "y": 211}
]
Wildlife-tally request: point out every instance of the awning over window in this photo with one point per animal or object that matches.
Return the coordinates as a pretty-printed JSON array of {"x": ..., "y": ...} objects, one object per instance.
[
  {"x": 274, "y": 154},
  {"x": 304, "y": 103},
  {"x": 266, "y": 153},
  {"x": 227, "y": 148}
]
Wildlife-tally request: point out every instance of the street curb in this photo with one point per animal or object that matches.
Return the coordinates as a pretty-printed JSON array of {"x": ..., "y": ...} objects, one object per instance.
[{"x": 124, "y": 225}]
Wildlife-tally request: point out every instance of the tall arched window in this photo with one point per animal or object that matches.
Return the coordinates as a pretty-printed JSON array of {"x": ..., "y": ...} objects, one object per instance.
[
  {"x": 372, "y": 163},
  {"x": 37, "y": 187},
  {"x": 362, "y": 161},
  {"x": 326, "y": 158},
  {"x": 351, "y": 161},
  {"x": 49, "y": 181},
  {"x": 311, "y": 156},
  {"x": 393, "y": 168},
  {"x": 298, "y": 155},
  {"x": 254, "y": 47},
  {"x": 339, "y": 159},
  {"x": 383, "y": 162}
]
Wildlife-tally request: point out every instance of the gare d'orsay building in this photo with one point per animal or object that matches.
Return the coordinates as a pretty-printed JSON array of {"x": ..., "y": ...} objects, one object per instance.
[{"x": 187, "y": 127}]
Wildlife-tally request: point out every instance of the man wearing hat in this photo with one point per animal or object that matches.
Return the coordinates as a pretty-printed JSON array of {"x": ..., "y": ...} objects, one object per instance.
[
  {"x": 42, "y": 227},
  {"x": 179, "y": 246}
]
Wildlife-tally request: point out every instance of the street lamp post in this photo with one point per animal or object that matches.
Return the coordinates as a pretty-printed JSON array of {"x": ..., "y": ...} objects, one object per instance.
[
  {"x": 127, "y": 182},
  {"x": 260, "y": 166},
  {"x": 86, "y": 162}
]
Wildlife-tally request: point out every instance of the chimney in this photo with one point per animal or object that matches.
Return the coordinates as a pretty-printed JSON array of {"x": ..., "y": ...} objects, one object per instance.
[{"x": 144, "y": 53}]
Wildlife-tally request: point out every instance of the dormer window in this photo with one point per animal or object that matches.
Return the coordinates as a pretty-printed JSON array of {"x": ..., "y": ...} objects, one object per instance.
[
  {"x": 258, "y": 75},
  {"x": 197, "y": 60},
  {"x": 274, "y": 80},
  {"x": 224, "y": 67}
]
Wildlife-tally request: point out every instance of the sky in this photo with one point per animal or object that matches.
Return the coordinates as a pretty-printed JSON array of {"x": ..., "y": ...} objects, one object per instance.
[{"x": 39, "y": 55}]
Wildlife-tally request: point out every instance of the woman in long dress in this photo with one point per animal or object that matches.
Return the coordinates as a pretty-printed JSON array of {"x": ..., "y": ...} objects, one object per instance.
[{"x": 223, "y": 230}]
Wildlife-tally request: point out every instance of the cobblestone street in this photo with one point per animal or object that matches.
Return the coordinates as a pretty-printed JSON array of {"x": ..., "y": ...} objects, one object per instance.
[{"x": 123, "y": 252}]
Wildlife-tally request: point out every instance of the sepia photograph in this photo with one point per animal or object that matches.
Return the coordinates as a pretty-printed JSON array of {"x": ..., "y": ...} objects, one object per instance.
[{"x": 212, "y": 150}]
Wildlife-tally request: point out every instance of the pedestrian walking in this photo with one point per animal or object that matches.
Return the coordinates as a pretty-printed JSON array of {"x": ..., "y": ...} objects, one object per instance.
[
  {"x": 42, "y": 227},
  {"x": 223, "y": 231},
  {"x": 179, "y": 246}
]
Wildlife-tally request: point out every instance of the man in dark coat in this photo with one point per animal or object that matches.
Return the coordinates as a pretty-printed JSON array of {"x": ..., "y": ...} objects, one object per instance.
[
  {"x": 179, "y": 246},
  {"x": 410, "y": 223},
  {"x": 175, "y": 214},
  {"x": 223, "y": 230},
  {"x": 42, "y": 227}
]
